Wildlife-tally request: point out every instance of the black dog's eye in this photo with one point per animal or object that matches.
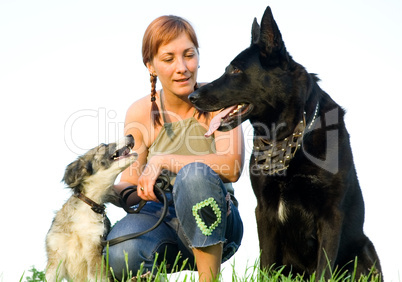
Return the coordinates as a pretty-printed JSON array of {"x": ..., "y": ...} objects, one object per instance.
[{"x": 235, "y": 70}]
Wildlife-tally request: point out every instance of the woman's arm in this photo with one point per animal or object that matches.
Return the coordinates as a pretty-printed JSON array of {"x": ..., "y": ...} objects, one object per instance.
[
  {"x": 137, "y": 117},
  {"x": 227, "y": 161}
]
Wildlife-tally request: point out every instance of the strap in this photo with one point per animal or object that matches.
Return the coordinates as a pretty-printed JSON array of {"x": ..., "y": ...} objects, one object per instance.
[
  {"x": 161, "y": 186},
  {"x": 162, "y": 106},
  {"x": 138, "y": 234},
  {"x": 94, "y": 206},
  {"x": 124, "y": 197}
]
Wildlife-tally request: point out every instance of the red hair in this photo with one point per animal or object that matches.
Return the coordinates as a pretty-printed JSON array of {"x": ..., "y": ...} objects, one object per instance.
[{"x": 161, "y": 31}]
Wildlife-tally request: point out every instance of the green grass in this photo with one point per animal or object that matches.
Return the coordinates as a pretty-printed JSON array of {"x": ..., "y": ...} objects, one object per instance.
[{"x": 251, "y": 274}]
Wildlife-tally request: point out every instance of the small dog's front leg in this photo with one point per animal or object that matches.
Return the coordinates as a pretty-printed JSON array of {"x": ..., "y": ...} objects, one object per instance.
[
  {"x": 54, "y": 272},
  {"x": 97, "y": 270}
]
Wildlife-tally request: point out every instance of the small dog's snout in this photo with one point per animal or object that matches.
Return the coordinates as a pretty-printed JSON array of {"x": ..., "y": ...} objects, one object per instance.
[{"x": 130, "y": 139}]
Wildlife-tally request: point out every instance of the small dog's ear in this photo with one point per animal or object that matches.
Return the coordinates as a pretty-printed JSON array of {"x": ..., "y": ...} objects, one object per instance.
[{"x": 76, "y": 171}]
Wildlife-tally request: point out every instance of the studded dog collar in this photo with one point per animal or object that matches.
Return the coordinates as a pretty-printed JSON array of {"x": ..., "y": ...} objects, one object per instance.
[{"x": 274, "y": 157}]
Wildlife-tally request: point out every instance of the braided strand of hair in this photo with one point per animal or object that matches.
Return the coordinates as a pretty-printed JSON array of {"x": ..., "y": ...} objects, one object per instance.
[{"x": 155, "y": 114}]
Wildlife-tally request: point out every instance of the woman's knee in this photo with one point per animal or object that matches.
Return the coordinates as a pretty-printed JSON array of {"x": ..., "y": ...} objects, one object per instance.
[
  {"x": 196, "y": 173},
  {"x": 195, "y": 183}
]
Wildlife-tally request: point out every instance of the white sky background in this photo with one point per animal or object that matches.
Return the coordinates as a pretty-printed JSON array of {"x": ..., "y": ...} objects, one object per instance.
[{"x": 70, "y": 69}]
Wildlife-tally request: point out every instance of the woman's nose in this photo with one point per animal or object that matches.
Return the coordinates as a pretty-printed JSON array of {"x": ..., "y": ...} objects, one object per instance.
[{"x": 181, "y": 66}]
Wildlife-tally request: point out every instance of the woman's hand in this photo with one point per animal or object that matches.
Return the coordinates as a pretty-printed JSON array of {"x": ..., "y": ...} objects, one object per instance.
[{"x": 146, "y": 181}]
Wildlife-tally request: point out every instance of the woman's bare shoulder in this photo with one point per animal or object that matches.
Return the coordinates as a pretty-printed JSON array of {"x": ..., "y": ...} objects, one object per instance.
[
  {"x": 139, "y": 121},
  {"x": 139, "y": 110}
]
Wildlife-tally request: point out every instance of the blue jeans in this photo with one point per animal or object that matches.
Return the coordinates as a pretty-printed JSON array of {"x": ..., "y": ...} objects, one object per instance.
[{"x": 201, "y": 215}]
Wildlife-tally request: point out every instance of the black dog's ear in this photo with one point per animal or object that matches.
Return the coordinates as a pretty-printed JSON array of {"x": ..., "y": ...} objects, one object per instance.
[
  {"x": 76, "y": 171},
  {"x": 271, "y": 45},
  {"x": 255, "y": 32}
]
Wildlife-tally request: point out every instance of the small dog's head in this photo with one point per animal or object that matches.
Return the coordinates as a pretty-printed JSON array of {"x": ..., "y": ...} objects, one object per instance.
[{"x": 100, "y": 165}]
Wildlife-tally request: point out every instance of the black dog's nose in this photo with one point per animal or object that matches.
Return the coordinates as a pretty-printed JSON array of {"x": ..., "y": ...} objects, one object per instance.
[{"x": 194, "y": 97}]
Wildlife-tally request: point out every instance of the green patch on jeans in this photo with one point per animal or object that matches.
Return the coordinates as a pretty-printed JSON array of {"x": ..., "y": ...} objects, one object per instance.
[{"x": 207, "y": 215}]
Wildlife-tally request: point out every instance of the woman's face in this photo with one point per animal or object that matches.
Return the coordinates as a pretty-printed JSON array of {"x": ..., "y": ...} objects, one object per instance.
[{"x": 176, "y": 65}]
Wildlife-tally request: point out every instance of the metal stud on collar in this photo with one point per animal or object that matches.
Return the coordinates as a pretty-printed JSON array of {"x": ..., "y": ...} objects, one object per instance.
[{"x": 273, "y": 157}]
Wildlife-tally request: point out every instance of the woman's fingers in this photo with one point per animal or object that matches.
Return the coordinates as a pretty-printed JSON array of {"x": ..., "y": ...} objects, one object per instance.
[
  {"x": 147, "y": 180},
  {"x": 145, "y": 190}
]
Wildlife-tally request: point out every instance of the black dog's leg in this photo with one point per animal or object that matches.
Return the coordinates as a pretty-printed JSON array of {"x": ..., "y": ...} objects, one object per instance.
[
  {"x": 329, "y": 233},
  {"x": 368, "y": 258},
  {"x": 268, "y": 238}
]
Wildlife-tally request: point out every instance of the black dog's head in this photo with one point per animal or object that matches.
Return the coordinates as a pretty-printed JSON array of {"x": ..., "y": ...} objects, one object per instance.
[
  {"x": 262, "y": 84},
  {"x": 100, "y": 165}
]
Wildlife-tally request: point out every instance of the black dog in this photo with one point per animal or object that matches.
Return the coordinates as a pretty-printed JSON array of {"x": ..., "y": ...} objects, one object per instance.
[{"x": 310, "y": 209}]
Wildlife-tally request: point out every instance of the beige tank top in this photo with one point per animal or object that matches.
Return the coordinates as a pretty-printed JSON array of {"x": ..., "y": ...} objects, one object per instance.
[{"x": 183, "y": 137}]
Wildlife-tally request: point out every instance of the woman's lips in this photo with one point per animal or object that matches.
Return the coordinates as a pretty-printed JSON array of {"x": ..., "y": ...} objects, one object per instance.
[{"x": 182, "y": 80}]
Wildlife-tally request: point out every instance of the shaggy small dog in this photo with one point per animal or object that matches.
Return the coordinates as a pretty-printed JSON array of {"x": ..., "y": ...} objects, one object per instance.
[{"x": 74, "y": 241}]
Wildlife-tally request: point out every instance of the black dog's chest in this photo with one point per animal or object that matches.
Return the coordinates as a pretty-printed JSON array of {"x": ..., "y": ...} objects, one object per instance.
[{"x": 289, "y": 198}]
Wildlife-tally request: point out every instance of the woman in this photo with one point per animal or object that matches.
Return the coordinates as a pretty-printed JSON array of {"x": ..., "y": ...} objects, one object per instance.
[{"x": 202, "y": 224}]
